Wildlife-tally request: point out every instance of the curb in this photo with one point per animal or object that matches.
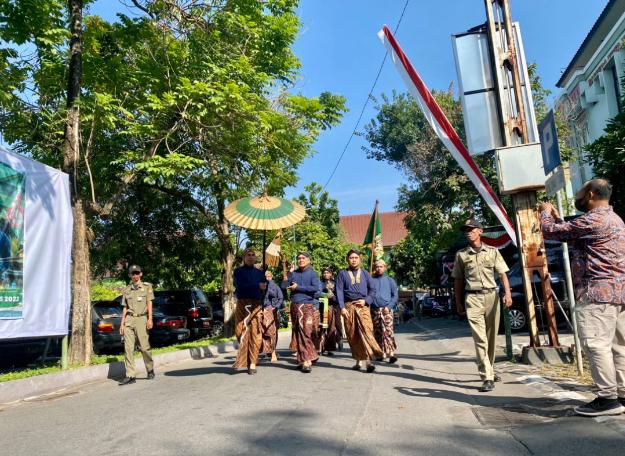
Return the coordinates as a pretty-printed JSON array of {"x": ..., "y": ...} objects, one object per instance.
[{"x": 28, "y": 388}]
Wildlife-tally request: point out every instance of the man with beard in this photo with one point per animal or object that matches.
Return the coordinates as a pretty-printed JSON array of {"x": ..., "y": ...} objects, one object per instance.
[
  {"x": 382, "y": 311},
  {"x": 474, "y": 278},
  {"x": 334, "y": 333},
  {"x": 598, "y": 260},
  {"x": 273, "y": 302},
  {"x": 249, "y": 282},
  {"x": 355, "y": 293},
  {"x": 305, "y": 288}
]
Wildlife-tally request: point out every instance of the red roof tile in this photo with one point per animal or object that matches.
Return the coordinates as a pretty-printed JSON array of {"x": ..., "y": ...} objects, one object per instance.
[{"x": 393, "y": 228}]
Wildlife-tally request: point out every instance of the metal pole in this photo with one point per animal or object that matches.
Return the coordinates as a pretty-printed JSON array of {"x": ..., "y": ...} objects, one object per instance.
[
  {"x": 571, "y": 294},
  {"x": 64, "y": 353},
  {"x": 513, "y": 124}
]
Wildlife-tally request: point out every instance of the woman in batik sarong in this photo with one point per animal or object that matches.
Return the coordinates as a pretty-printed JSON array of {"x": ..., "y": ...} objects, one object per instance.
[
  {"x": 249, "y": 282},
  {"x": 305, "y": 288},
  {"x": 382, "y": 311},
  {"x": 355, "y": 293},
  {"x": 272, "y": 303},
  {"x": 334, "y": 333}
]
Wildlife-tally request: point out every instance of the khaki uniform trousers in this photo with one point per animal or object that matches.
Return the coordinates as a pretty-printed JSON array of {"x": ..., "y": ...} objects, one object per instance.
[
  {"x": 602, "y": 334},
  {"x": 483, "y": 315},
  {"x": 135, "y": 330}
]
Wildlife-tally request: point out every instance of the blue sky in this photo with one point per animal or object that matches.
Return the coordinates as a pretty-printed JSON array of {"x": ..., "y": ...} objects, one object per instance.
[{"x": 340, "y": 52}]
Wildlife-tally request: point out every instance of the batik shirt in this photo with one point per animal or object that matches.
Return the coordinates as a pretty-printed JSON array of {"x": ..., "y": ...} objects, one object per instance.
[{"x": 598, "y": 252}]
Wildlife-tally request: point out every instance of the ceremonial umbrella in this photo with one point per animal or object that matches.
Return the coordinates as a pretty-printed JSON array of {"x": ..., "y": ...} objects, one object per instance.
[{"x": 264, "y": 213}]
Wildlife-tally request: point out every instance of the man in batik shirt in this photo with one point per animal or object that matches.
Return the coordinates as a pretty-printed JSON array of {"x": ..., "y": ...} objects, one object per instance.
[
  {"x": 382, "y": 311},
  {"x": 355, "y": 293},
  {"x": 598, "y": 263}
]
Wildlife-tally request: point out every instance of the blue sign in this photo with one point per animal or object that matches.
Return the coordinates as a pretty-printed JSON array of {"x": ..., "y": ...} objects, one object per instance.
[{"x": 549, "y": 143}]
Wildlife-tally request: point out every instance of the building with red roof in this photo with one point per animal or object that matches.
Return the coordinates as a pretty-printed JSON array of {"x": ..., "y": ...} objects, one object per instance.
[{"x": 393, "y": 227}]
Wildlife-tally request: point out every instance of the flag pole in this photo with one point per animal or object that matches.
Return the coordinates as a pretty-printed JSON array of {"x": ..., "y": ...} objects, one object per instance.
[{"x": 375, "y": 220}]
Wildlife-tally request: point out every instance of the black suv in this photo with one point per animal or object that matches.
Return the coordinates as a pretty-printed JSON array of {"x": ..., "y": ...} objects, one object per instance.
[{"x": 189, "y": 303}]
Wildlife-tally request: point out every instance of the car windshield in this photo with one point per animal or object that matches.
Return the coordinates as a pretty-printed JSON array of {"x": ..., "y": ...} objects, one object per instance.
[{"x": 108, "y": 311}]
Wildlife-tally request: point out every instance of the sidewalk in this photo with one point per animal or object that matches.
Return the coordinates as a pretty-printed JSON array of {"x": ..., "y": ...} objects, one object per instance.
[{"x": 537, "y": 412}]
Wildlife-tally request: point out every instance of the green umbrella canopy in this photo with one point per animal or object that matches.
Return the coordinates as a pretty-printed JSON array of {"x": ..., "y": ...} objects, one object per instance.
[{"x": 264, "y": 213}]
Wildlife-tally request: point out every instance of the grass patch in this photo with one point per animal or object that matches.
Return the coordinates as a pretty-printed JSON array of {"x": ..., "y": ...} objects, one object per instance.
[
  {"x": 51, "y": 367},
  {"x": 557, "y": 372}
]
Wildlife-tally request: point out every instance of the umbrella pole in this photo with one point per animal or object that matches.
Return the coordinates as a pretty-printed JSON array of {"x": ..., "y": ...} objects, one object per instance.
[{"x": 264, "y": 246}]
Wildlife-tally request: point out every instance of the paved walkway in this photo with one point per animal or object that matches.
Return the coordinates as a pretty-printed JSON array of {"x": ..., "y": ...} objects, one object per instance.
[{"x": 427, "y": 404}]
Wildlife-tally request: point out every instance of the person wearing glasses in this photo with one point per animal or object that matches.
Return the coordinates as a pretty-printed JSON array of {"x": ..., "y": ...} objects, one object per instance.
[{"x": 137, "y": 301}]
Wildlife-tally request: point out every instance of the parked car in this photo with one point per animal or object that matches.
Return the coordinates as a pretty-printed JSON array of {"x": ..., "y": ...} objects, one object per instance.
[
  {"x": 519, "y": 320},
  {"x": 21, "y": 352},
  {"x": 192, "y": 304},
  {"x": 217, "y": 308},
  {"x": 106, "y": 317},
  {"x": 167, "y": 329}
]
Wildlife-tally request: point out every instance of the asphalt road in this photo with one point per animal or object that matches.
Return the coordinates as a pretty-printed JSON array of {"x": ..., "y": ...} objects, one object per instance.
[{"x": 426, "y": 404}]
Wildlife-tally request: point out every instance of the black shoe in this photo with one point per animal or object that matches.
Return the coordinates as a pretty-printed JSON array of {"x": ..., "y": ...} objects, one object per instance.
[
  {"x": 600, "y": 406},
  {"x": 151, "y": 375},
  {"x": 356, "y": 367},
  {"x": 299, "y": 367},
  {"x": 127, "y": 381},
  {"x": 497, "y": 378},
  {"x": 487, "y": 386},
  {"x": 622, "y": 401},
  {"x": 392, "y": 360},
  {"x": 330, "y": 354},
  {"x": 370, "y": 368},
  {"x": 251, "y": 371},
  {"x": 306, "y": 369}
]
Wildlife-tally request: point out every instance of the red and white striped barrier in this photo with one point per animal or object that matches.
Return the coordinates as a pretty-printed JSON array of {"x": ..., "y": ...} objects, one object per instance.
[{"x": 443, "y": 128}]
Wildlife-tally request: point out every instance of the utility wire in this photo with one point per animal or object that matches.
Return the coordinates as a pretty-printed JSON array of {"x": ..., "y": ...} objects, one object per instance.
[{"x": 362, "y": 111}]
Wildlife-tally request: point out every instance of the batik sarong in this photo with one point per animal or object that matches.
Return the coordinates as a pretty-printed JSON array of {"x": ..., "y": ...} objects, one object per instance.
[
  {"x": 293, "y": 314},
  {"x": 359, "y": 331},
  {"x": 306, "y": 332},
  {"x": 248, "y": 314},
  {"x": 334, "y": 333},
  {"x": 269, "y": 325},
  {"x": 383, "y": 330}
]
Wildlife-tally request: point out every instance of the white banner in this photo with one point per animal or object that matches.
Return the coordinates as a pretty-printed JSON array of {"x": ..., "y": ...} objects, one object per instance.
[{"x": 35, "y": 268}]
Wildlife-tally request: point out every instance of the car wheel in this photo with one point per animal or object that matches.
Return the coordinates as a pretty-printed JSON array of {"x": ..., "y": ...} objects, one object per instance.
[
  {"x": 518, "y": 319},
  {"x": 217, "y": 329}
]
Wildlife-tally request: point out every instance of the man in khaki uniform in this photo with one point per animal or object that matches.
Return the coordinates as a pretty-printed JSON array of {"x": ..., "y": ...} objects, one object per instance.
[
  {"x": 474, "y": 273},
  {"x": 136, "y": 322}
]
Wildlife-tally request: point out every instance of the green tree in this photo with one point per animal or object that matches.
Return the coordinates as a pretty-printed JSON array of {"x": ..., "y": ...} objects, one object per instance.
[
  {"x": 189, "y": 100},
  {"x": 321, "y": 208}
]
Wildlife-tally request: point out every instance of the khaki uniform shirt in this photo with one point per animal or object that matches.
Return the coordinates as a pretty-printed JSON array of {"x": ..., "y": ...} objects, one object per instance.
[
  {"x": 136, "y": 297},
  {"x": 478, "y": 269}
]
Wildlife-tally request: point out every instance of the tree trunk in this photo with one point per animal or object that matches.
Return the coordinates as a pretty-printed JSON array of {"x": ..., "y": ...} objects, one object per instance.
[
  {"x": 227, "y": 269},
  {"x": 80, "y": 341}
]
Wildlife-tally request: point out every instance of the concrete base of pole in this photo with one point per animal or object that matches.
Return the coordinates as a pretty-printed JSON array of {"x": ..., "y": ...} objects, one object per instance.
[{"x": 547, "y": 355}]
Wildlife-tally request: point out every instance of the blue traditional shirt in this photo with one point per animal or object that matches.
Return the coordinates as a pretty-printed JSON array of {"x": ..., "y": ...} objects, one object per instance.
[
  {"x": 385, "y": 292},
  {"x": 352, "y": 285},
  {"x": 273, "y": 296},
  {"x": 308, "y": 286},
  {"x": 246, "y": 281}
]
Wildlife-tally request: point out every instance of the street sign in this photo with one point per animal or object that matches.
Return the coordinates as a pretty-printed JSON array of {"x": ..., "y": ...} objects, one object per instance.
[
  {"x": 555, "y": 182},
  {"x": 549, "y": 143}
]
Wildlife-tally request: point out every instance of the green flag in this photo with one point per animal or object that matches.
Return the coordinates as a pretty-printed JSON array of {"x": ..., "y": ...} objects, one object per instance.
[{"x": 373, "y": 238}]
